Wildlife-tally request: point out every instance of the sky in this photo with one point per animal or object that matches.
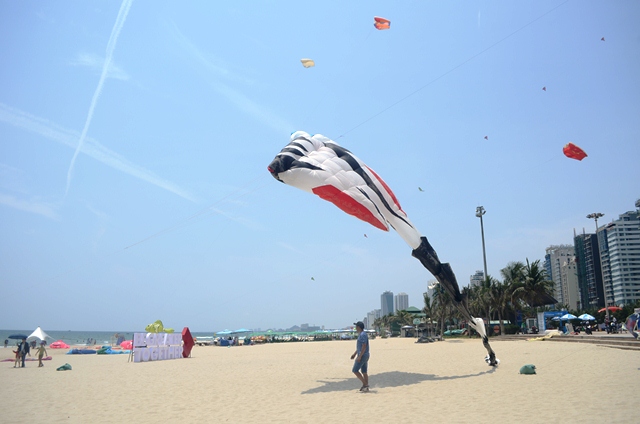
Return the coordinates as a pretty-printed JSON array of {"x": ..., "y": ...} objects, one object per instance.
[{"x": 135, "y": 136}]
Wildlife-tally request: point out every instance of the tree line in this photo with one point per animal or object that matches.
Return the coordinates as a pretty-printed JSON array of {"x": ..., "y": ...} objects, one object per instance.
[{"x": 524, "y": 289}]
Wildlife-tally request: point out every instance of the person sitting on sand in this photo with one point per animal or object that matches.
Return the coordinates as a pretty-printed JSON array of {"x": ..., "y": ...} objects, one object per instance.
[{"x": 41, "y": 351}]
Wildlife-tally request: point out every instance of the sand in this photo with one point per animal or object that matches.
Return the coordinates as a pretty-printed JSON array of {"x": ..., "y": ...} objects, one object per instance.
[{"x": 311, "y": 382}]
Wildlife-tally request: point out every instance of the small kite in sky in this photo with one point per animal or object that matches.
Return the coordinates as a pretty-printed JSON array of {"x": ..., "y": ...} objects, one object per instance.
[
  {"x": 307, "y": 63},
  {"x": 486, "y": 137},
  {"x": 313, "y": 279},
  {"x": 318, "y": 165},
  {"x": 381, "y": 23},
  {"x": 602, "y": 39},
  {"x": 572, "y": 151},
  {"x": 544, "y": 88},
  {"x": 420, "y": 188},
  {"x": 366, "y": 236}
]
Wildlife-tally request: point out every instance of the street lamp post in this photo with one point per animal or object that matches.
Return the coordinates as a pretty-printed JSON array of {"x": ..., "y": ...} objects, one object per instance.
[
  {"x": 595, "y": 217},
  {"x": 479, "y": 212}
]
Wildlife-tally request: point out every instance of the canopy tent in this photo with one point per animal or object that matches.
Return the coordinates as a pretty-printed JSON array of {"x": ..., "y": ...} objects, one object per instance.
[{"x": 38, "y": 333}]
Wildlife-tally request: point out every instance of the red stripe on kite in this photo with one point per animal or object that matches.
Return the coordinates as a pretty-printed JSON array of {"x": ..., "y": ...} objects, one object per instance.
[{"x": 348, "y": 204}]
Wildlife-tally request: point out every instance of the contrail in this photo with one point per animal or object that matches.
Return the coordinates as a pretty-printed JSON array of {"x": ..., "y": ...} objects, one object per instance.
[{"x": 111, "y": 45}]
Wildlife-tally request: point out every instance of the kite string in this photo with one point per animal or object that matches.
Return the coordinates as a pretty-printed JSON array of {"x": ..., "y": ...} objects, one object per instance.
[
  {"x": 451, "y": 70},
  {"x": 200, "y": 214},
  {"x": 203, "y": 212}
]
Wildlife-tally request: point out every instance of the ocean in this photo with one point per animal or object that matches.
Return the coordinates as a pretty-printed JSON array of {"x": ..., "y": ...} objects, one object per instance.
[{"x": 79, "y": 337}]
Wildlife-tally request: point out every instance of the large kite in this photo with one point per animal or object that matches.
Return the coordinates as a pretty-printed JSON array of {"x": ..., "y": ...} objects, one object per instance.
[{"x": 319, "y": 165}]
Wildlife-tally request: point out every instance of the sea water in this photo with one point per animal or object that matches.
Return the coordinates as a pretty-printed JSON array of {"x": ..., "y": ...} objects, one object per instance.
[{"x": 79, "y": 338}]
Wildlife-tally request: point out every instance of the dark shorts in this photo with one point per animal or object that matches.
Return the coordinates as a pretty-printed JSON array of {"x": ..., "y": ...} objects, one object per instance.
[{"x": 362, "y": 365}]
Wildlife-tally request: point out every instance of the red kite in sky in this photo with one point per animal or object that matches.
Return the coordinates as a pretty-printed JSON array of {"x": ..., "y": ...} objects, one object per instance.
[
  {"x": 381, "y": 23},
  {"x": 572, "y": 151}
]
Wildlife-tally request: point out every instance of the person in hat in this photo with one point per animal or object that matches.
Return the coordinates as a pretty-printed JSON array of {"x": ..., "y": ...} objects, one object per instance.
[{"x": 361, "y": 355}]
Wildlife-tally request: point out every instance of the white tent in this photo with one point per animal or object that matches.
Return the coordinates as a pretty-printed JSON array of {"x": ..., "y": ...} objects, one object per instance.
[{"x": 39, "y": 334}]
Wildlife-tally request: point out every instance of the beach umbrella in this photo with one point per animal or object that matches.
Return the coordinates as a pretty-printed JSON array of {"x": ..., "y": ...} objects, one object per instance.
[
  {"x": 568, "y": 316},
  {"x": 586, "y": 317},
  {"x": 18, "y": 336},
  {"x": 611, "y": 308},
  {"x": 127, "y": 344},
  {"x": 38, "y": 333}
]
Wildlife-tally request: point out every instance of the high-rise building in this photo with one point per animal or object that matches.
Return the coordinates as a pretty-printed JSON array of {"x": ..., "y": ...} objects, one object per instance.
[
  {"x": 386, "y": 303},
  {"x": 431, "y": 287},
  {"x": 401, "y": 301},
  {"x": 620, "y": 243},
  {"x": 569, "y": 277},
  {"x": 588, "y": 270},
  {"x": 371, "y": 318},
  {"x": 476, "y": 279},
  {"x": 554, "y": 259}
]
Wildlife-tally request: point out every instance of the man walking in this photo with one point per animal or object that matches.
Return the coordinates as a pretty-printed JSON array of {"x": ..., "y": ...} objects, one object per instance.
[
  {"x": 360, "y": 366},
  {"x": 23, "y": 350}
]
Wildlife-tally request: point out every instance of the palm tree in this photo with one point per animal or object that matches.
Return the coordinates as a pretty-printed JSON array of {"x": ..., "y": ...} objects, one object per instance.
[
  {"x": 512, "y": 277},
  {"x": 500, "y": 296},
  {"x": 429, "y": 311},
  {"x": 378, "y": 324},
  {"x": 534, "y": 289},
  {"x": 403, "y": 318},
  {"x": 442, "y": 303}
]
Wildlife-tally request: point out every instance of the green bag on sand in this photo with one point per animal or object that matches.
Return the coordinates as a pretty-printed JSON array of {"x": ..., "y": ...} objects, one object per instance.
[
  {"x": 528, "y": 369},
  {"x": 64, "y": 367}
]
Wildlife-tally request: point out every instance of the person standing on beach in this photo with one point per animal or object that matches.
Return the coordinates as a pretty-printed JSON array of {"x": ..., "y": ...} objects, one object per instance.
[
  {"x": 41, "y": 352},
  {"x": 23, "y": 349},
  {"x": 361, "y": 355}
]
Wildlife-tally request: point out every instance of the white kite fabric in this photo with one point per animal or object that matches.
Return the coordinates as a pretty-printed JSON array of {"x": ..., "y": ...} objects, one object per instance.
[
  {"x": 39, "y": 334},
  {"x": 318, "y": 165}
]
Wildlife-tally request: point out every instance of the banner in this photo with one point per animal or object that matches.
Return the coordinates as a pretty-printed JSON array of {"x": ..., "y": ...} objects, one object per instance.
[{"x": 156, "y": 346}]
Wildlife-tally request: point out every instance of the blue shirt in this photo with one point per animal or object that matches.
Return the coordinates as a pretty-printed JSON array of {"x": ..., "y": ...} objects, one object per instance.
[{"x": 363, "y": 338}]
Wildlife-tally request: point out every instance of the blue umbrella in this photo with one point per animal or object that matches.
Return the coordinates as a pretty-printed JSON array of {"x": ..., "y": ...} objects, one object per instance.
[
  {"x": 568, "y": 317},
  {"x": 17, "y": 336},
  {"x": 586, "y": 317}
]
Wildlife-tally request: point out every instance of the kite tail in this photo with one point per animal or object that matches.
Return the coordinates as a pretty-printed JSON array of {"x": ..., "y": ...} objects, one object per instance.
[{"x": 447, "y": 279}]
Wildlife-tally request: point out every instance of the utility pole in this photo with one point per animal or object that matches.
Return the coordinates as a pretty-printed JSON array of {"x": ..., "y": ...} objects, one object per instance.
[{"x": 479, "y": 212}]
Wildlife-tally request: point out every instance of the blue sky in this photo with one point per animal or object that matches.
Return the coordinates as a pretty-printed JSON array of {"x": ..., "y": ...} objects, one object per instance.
[{"x": 134, "y": 140}]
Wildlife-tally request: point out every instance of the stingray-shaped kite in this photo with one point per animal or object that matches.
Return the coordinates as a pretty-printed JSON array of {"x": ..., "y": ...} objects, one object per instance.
[
  {"x": 319, "y": 165},
  {"x": 572, "y": 151}
]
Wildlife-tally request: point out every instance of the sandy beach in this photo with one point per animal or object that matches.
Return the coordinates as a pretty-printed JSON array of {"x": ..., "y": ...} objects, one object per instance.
[{"x": 311, "y": 382}]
